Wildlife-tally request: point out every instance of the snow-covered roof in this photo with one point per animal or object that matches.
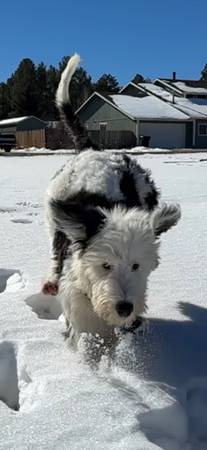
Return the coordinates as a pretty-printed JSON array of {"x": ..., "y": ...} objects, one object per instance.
[
  {"x": 148, "y": 107},
  {"x": 157, "y": 90},
  {"x": 189, "y": 89},
  {"x": 192, "y": 87},
  {"x": 194, "y": 110},
  {"x": 13, "y": 121}
]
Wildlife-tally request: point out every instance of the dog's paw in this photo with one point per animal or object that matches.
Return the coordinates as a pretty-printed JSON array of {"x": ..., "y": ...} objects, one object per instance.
[{"x": 50, "y": 287}]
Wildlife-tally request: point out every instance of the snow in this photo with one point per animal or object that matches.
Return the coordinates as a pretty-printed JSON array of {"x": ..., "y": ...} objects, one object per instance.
[
  {"x": 157, "y": 90},
  {"x": 189, "y": 89},
  {"x": 149, "y": 107},
  {"x": 154, "y": 396},
  {"x": 12, "y": 121},
  {"x": 197, "y": 110}
]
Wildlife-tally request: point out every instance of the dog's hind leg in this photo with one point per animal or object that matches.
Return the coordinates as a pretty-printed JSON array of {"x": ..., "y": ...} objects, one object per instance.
[{"x": 60, "y": 246}]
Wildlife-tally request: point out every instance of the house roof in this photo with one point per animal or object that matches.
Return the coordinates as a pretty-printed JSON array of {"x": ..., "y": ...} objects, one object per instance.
[
  {"x": 182, "y": 86},
  {"x": 107, "y": 99},
  {"x": 195, "y": 110},
  {"x": 137, "y": 86},
  {"x": 193, "y": 107},
  {"x": 149, "y": 107},
  {"x": 15, "y": 120}
]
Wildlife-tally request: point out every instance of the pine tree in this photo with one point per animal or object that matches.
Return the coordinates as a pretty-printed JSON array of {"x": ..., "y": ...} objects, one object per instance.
[
  {"x": 52, "y": 84},
  {"x": 138, "y": 79},
  {"x": 41, "y": 90},
  {"x": 4, "y": 101},
  {"x": 204, "y": 73},
  {"x": 24, "y": 96},
  {"x": 107, "y": 83}
]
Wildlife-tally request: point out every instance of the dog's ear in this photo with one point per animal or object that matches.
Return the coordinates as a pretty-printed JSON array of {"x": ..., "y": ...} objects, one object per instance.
[
  {"x": 79, "y": 223},
  {"x": 165, "y": 217}
]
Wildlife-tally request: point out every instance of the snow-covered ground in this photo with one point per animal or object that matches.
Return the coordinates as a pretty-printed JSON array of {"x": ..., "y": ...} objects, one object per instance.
[{"x": 155, "y": 395}]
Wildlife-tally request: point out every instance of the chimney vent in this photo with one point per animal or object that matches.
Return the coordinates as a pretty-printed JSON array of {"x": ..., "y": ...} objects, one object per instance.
[{"x": 174, "y": 76}]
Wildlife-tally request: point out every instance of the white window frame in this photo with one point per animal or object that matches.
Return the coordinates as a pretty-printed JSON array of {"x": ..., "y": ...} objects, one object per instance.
[
  {"x": 201, "y": 125},
  {"x": 103, "y": 123}
]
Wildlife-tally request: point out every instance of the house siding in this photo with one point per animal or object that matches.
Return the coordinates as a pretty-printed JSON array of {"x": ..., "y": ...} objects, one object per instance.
[
  {"x": 133, "y": 91},
  {"x": 120, "y": 129},
  {"x": 201, "y": 141},
  {"x": 98, "y": 111}
]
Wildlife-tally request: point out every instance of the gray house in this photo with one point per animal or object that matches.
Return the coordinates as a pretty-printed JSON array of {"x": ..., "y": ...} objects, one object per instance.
[
  {"x": 188, "y": 96},
  {"x": 118, "y": 121},
  {"x": 164, "y": 114}
]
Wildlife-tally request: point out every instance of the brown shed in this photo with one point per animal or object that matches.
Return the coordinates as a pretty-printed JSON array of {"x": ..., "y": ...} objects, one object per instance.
[{"x": 21, "y": 132}]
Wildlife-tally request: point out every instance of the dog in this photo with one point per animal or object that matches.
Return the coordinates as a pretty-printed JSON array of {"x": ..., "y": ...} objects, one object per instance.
[{"x": 105, "y": 223}]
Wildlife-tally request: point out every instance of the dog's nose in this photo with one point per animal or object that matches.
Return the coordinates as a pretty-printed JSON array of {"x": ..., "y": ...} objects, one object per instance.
[{"x": 124, "y": 309}]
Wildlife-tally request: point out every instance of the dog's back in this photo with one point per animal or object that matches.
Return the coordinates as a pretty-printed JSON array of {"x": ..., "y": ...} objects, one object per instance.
[{"x": 93, "y": 177}]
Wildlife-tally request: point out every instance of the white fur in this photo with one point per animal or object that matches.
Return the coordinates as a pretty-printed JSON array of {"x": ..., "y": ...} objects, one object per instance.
[
  {"x": 89, "y": 291},
  {"x": 62, "y": 94}
]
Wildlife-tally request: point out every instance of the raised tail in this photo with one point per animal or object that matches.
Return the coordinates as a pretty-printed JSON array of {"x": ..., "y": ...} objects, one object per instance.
[{"x": 67, "y": 114}]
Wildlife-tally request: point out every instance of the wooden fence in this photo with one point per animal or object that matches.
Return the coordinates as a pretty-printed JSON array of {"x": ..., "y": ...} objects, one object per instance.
[
  {"x": 113, "y": 139},
  {"x": 31, "y": 138}
]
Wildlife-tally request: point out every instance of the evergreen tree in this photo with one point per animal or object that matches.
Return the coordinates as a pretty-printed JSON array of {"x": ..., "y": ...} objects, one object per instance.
[
  {"x": 41, "y": 90},
  {"x": 4, "y": 101},
  {"x": 107, "y": 83},
  {"x": 24, "y": 95},
  {"x": 138, "y": 79},
  {"x": 204, "y": 73},
  {"x": 52, "y": 84}
]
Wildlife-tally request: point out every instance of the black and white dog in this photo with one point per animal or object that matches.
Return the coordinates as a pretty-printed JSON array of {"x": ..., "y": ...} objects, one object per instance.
[{"x": 105, "y": 223}]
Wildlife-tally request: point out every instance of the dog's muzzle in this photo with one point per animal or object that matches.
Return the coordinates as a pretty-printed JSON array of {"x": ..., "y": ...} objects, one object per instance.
[{"x": 124, "y": 309}]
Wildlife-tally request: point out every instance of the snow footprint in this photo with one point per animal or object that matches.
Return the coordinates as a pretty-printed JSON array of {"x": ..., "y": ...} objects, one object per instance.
[
  {"x": 45, "y": 306},
  {"x": 24, "y": 221},
  {"x": 10, "y": 280},
  {"x": 15, "y": 282},
  {"x": 9, "y": 391}
]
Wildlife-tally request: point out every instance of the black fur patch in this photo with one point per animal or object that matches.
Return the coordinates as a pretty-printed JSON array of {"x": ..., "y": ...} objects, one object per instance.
[
  {"x": 60, "y": 249},
  {"x": 88, "y": 199},
  {"x": 151, "y": 199},
  {"x": 128, "y": 188},
  {"x": 77, "y": 215}
]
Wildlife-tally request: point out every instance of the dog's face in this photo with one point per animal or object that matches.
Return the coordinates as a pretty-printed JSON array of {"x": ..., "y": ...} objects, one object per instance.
[{"x": 113, "y": 265}]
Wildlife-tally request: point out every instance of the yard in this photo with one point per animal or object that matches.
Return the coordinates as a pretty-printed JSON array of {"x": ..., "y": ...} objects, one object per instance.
[{"x": 155, "y": 395}]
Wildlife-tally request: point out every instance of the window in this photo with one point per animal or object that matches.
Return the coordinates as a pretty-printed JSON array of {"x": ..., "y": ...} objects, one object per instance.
[
  {"x": 202, "y": 129},
  {"x": 103, "y": 126}
]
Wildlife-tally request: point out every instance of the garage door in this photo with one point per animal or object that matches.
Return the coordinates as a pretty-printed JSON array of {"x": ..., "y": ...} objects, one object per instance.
[{"x": 164, "y": 135}]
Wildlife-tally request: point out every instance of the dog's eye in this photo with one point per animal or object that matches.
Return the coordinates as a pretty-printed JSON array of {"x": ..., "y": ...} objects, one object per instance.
[
  {"x": 135, "y": 267},
  {"x": 106, "y": 266}
]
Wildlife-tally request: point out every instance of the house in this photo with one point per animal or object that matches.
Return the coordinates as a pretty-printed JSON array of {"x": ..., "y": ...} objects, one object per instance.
[
  {"x": 166, "y": 114},
  {"x": 117, "y": 121},
  {"x": 22, "y": 132},
  {"x": 192, "y": 100}
]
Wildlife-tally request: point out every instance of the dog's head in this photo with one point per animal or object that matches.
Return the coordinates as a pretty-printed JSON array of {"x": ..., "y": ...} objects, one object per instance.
[{"x": 113, "y": 254}]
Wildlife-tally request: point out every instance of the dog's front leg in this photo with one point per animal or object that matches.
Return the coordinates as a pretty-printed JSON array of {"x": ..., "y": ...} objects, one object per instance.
[{"x": 60, "y": 245}]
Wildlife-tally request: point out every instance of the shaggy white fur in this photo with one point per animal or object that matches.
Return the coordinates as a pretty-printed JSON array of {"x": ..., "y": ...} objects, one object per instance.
[{"x": 105, "y": 223}]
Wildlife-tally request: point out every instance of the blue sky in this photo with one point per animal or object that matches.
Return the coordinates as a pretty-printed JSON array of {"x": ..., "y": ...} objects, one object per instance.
[{"x": 121, "y": 37}]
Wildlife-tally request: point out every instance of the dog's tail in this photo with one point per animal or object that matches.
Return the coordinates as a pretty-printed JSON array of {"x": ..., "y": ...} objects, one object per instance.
[{"x": 67, "y": 114}]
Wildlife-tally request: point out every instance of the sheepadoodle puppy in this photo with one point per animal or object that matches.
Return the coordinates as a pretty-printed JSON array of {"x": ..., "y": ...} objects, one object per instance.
[{"x": 105, "y": 224}]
